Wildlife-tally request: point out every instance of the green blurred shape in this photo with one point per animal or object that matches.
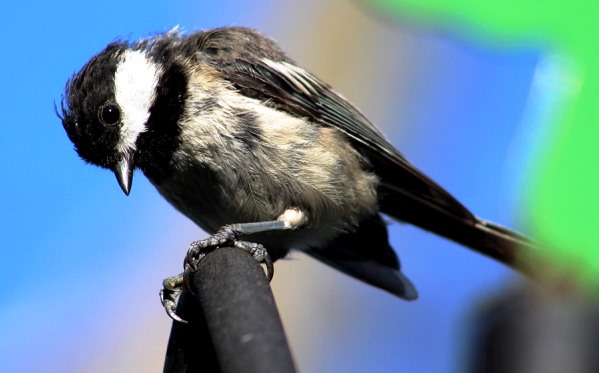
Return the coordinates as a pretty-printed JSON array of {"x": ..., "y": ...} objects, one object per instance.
[{"x": 562, "y": 195}]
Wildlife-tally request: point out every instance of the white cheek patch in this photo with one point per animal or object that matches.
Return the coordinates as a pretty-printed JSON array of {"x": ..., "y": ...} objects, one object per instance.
[{"x": 135, "y": 84}]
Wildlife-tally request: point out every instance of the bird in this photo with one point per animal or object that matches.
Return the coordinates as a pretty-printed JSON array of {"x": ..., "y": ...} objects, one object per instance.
[{"x": 244, "y": 142}]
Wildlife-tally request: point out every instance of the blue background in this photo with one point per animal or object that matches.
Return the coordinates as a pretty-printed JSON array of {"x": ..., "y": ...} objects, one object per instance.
[{"x": 81, "y": 264}]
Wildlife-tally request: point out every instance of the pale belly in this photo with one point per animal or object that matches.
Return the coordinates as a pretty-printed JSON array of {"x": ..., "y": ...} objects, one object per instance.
[{"x": 212, "y": 202}]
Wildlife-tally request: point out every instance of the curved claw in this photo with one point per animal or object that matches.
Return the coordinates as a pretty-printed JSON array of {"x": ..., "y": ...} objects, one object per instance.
[
  {"x": 173, "y": 315},
  {"x": 171, "y": 288},
  {"x": 259, "y": 253},
  {"x": 170, "y": 306},
  {"x": 186, "y": 273},
  {"x": 192, "y": 252},
  {"x": 270, "y": 268}
]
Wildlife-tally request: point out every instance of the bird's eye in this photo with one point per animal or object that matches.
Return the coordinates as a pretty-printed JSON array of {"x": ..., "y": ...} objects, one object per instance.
[{"x": 109, "y": 114}]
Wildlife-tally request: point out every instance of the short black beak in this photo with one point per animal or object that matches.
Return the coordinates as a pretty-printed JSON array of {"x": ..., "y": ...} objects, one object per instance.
[{"x": 124, "y": 173}]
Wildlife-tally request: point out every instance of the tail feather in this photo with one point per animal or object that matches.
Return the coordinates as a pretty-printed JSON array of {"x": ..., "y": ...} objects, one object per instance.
[
  {"x": 489, "y": 239},
  {"x": 370, "y": 271},
  {"x": 366, "y": 255}
]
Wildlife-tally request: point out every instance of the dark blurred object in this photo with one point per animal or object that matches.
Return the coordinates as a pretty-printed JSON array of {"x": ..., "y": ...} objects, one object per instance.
[
  {"x": 533, "y": 330},
  {"x": 233, "y": 325}
]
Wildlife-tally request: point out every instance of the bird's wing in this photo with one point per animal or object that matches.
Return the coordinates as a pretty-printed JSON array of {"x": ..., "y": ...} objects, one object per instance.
[{"x": 290, "y": 88}]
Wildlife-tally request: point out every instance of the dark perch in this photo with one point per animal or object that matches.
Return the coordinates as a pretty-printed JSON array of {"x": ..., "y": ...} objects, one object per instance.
[{"x": 233, "y": 325}]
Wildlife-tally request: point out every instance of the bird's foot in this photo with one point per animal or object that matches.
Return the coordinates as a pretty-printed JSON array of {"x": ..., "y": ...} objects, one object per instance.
[{"x": 227, "y": 236}]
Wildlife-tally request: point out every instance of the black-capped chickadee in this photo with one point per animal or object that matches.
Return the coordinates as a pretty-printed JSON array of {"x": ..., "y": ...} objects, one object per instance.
[{"x": 230, "y": 130}]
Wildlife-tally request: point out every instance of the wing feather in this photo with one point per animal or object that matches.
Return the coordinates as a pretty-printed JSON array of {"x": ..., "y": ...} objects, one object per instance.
[{"x": 267, "y": 74}]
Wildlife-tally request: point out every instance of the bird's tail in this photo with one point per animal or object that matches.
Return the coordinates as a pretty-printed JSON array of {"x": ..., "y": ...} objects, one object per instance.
[{"x": 459, "y": 225}]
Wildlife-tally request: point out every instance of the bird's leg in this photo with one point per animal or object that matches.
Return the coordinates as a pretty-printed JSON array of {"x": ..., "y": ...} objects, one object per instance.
[{"x": 227, "y": 235}]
